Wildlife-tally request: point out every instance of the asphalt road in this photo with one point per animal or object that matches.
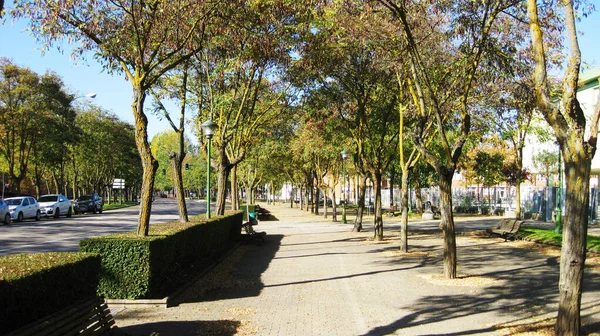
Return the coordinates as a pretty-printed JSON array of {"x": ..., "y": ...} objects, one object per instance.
[{"x": 64, "y": 234}]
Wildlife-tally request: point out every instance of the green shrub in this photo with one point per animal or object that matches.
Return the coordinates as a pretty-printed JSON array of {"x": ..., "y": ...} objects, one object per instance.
[
  {"x": 36, "y": 285},
  {"x": 135, "y": 267}
]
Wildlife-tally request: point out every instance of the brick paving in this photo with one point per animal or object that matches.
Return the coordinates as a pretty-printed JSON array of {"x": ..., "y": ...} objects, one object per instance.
[{"x": 314, "y": 277}]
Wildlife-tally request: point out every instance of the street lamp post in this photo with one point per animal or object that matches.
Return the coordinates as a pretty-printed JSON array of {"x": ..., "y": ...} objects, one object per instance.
[
  {"x": 344, "y": 157},
  {"x": 558, "y": 228},
  {"x": 208, "y": 128}
]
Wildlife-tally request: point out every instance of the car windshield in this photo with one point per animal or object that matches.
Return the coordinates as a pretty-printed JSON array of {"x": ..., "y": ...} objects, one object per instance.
[
  {"x": 16, "y": 201},
  {"x": 48, "y": 199},
  {"x": 86, "y": 198}
]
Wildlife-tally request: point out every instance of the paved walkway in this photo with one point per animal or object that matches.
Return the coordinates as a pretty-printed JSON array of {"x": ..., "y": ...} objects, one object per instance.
[{"x": 314, "y": 277}]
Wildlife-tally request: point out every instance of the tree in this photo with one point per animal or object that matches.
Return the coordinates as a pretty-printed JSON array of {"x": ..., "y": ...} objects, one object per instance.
[
  {"x": 177, "y": 156},
  {"x": 488, "y": 167},
  {"x": 578, "y": 147},
  {"x": 446, "y": 43},
  {"x": 105, "y": 150},
  {"x": 31, "y": 107},
  {"x": 238, "y": 80},
  {"x": 546, "y": 162},
  {"x": 60, "y": 133},
  {"x": 143, "y": 40}
]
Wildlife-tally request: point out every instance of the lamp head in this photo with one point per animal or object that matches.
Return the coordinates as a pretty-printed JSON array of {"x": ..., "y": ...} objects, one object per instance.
[
  {"x": 91, "y": 95},
  {"x": 344, "y": 154},
  {"x": 208, "y": 128}
]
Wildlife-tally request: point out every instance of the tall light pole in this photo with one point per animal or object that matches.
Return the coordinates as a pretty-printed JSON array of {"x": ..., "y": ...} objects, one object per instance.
[
  {"x": 344, "y": 157},
  {"x": 208, "y": 128}
]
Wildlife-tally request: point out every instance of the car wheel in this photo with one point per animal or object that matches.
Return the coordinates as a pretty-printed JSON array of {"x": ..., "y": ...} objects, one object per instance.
[
  {"x": 20, "y": 217},
  {"x": 38, "y": 215},
  {"x": 57, "y": 213},
  {"x": 69, "y": 213},
  {"x": 7, "y": 219}
]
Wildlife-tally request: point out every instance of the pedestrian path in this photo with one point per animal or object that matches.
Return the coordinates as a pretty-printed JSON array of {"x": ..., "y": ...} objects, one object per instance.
[{"x": 315, "y": 277}]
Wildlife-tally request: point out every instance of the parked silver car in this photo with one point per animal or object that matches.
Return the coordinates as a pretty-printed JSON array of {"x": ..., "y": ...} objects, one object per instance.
[
  {"x": 23, "y": 207},
  {"x": 55, "y": 205},
  {"x": 4, "y": 213}
]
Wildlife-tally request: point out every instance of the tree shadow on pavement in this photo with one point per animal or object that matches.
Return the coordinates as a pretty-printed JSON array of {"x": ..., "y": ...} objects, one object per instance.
[
  {"x": 522, "y": 285},
  {"x": 242, "y": 277},
  {"x": 181, "y": 328}
]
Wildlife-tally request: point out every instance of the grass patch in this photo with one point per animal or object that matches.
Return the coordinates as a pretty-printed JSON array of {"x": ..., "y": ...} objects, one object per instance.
[
  {"x": 117, "y": 205},
  {"x": 549, "y": 237}
]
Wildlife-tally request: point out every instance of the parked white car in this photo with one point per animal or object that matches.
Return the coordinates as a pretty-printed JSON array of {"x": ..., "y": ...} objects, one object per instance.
[
  {"x": 55, "y": 205},
  {"x": 23, "y": 207}
]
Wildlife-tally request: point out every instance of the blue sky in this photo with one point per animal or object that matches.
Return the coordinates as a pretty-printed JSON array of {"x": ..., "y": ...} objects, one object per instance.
[{"x": 114, "y": 92}]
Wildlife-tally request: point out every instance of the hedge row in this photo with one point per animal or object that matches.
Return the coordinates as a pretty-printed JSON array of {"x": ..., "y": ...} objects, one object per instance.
[
  {"x": 151, "y": 267},
  {"x": 36, "y": 285}
]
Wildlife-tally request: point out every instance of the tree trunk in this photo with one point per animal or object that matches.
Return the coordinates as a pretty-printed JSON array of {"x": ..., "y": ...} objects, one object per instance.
[
  {"x": 392, "y": 176},
  {"x": 404, "y": 220},
  {"x": 574, "y": 242},
  {"x": 316, "y": 200},
  {"x": 518, "y": 201},
  {"x": 418, "y": 196},
  {"x": 74, "y": 180},
  {"x": 362, "y": 190},
  {"x": 223, "y": 175},
  {"x": 333, "y": 205},
  {"x": 378, "y": 222},
  {"x": 176, "y": 163},
  {"x": 235, "y": 202},
  {"x": 325, "y": 203},
  {"x": 518, "y": 184},
  {"x": 149, "y": 163},
  {"x": 447, "y": 222}
]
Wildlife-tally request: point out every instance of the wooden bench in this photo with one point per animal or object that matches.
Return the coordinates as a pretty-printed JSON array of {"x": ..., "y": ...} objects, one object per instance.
[
  {"x": 91, "y": 317},
  {"x": 251, "y": 235},
  {"x": 507, "y": 229}
]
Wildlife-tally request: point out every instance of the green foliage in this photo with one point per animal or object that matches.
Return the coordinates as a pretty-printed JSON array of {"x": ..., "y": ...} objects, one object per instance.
[
  {"x": 548, "y": 236},
  {"x": 489, "y": 168},
  {"x": 165, "y": 143},
  {"x": 546, "y": 162},
  {"x": 37, "y": 121},
  {"x": 35, "y": 285},
  {"x": 135, "y": 267},
  {"x": 105, "y": 151}
]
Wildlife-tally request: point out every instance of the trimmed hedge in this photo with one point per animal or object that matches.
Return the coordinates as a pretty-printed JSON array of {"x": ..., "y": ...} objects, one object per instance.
[
  {"x": 135, "y": 267},
  {"x": 36, "y": 285}
]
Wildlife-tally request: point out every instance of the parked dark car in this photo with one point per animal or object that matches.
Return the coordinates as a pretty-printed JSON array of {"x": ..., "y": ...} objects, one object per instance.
[
  {"x": 329, "y": 202},
  {"x": 89, "y": 203}
]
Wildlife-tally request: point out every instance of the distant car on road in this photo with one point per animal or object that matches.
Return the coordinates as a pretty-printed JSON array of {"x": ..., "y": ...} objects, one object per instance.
[
  {"x": 23, "y": 207},
  {"x": 4, "y": 213},
  {"x": 89, "y": 203},
  {"x": 55, "y": 205}
]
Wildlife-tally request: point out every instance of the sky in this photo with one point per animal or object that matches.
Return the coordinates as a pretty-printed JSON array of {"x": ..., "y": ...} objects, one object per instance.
[{"x": 114, "y": 93}]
